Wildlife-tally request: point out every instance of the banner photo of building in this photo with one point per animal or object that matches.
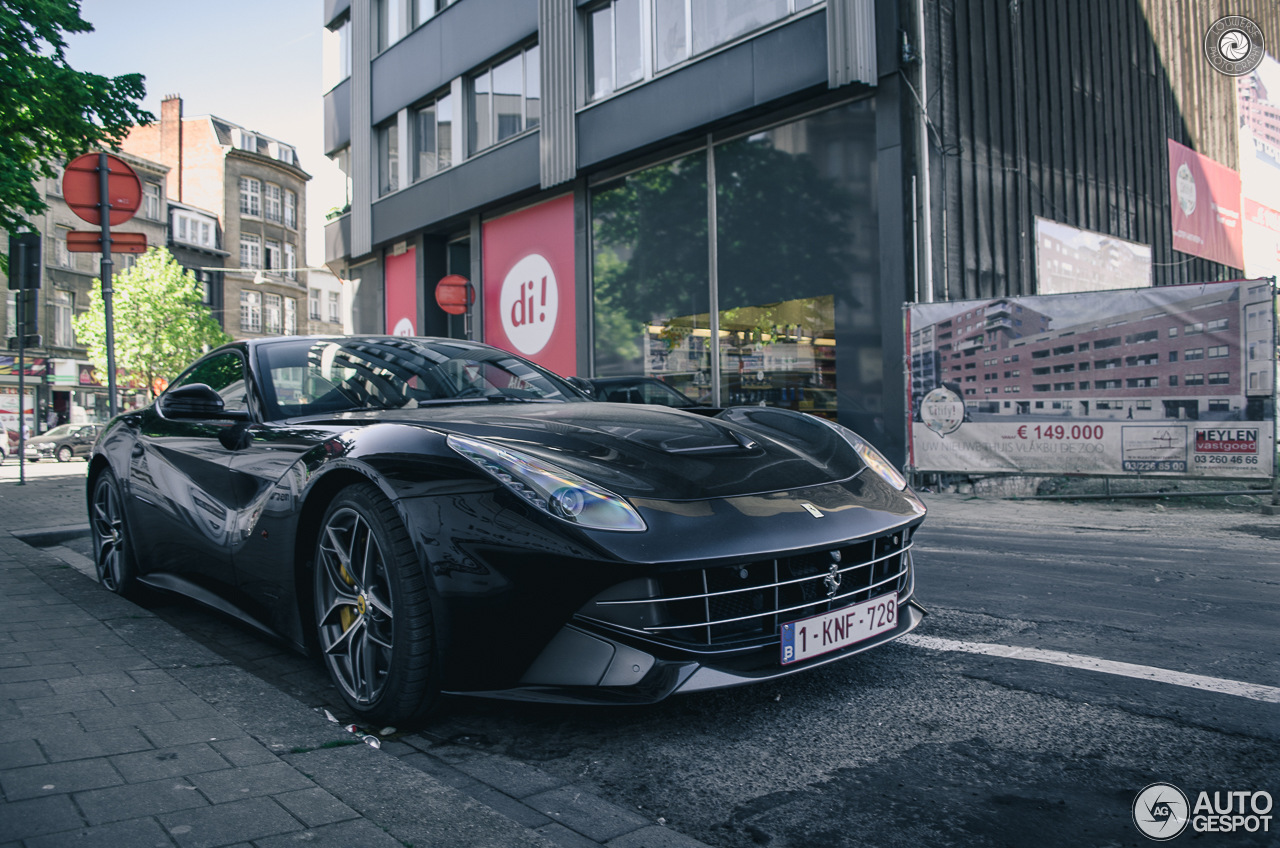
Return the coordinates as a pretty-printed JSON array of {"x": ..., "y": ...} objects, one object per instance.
[
  {"x": 1258, "y": 105},
  {"x": 1174, "y": 380},
  {"x": 1069, "y": 259}
]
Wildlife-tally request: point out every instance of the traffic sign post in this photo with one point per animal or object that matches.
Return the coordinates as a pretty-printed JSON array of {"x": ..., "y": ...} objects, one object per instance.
[
  {"x": 24, "y": 275},
  {"x": 103, "y": 189}
]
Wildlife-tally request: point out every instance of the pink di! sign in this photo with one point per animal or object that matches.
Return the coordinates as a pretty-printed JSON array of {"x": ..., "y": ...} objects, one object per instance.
[
  {"x": 529, "y": 284},
  {"x": 1206, "y": 207}
]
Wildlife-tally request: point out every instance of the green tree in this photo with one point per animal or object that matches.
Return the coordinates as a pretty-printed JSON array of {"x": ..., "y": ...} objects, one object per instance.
[
  {"x": 49, "y": 112},
  {"x": 161, "y": 323}
]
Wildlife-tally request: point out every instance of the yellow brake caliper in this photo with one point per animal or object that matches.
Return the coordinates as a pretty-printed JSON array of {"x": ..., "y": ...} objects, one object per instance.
[{"x": 347, "y": 613}]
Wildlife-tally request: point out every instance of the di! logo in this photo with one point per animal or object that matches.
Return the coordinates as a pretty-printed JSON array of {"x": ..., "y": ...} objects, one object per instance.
[{"x": 1160, "y": 811}]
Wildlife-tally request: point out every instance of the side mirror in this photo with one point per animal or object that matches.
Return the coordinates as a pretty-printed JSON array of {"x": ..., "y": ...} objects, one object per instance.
[
  {"x": 584, "y": 386},
  {"x": 195, "y": 401}
]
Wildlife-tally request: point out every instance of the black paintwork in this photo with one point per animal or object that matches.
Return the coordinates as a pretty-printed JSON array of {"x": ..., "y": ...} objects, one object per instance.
[{"x": 227, "y": 510}]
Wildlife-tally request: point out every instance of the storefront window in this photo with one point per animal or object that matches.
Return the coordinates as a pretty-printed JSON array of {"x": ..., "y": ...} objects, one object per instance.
[
  {"x": 649, "y": 259},
  {"x": 795, "y": 265}
]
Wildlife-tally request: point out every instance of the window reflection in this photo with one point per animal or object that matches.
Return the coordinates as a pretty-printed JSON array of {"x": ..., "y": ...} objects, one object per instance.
[{"x": 652, "y": 301}]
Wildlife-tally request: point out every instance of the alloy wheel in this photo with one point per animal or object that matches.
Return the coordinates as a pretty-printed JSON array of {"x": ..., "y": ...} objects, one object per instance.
[
  {"x": 354, "y": 605},
  {"x": 108, "y": 534}
]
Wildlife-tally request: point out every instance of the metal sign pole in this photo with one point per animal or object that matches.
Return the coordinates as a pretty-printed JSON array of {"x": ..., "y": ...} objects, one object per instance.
[
  {"x": 22, "y": 362},
  {"x": 104, "y": 206}
]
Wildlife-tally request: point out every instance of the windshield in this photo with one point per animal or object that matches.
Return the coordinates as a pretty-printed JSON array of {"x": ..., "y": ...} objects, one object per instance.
[
  {"x": 58, "y": 432},
  {"x": 311, "y": 377}
]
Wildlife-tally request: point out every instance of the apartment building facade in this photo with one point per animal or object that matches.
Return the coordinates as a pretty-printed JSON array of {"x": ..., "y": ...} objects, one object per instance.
[
  {"x": 255, "y": 188},
  {"x": 737, "y": 198}
]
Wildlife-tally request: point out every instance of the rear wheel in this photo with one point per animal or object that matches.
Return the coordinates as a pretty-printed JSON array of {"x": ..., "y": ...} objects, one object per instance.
[
  {"x": 117, "y": 570},
  {"x": 372, "y": 611}
]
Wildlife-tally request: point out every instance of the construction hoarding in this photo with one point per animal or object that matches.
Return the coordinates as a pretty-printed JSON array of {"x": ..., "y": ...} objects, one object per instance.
[{"x": 1175, "y": 381}]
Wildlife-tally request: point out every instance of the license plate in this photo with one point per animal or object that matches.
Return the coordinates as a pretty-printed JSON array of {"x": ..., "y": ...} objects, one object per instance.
[{"x": 819, "y": 634}]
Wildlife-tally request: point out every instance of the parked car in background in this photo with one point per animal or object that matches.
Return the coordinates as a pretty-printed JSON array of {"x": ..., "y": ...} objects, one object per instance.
[
  {"x": 639, "y": 390},
  {"x": 8, "y": 444},
  {"x": 63, "y": 442}
]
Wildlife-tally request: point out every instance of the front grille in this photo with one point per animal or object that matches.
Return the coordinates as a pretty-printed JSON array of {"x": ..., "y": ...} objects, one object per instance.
[{"x": 739, "y": 605}]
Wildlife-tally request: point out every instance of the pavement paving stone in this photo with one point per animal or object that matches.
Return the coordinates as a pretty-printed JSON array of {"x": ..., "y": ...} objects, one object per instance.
[
  {"x": 56, "y": 778},
  {"x": 442, "y": 771},
  {"x": 80, "y": 682},
  {"x": 19, "y": 753},
  {"x": 156, "y": 693},
  {"x": 315, "y": 807},
  {"x": 188, "y": 731},
  {"x": 24, "y": 819},
  {"x": 249, "y": 782},
  {"x": 509, "y": 807},
  {"x": 135, "y": 833},
  {"x": 248, "y": 820},
  {"x": 244, "y": 752},
  {"x": 28, "y": 672},
  {"x": 25, "y": 689},
  {"x": 134, "y": 715},
  {"x": 517, "y": 779},
  {"x": 564, "y": 837},
  {"x": 654, "y": 836},
  {"x": 342, "y": 835},
  {"x": 15, "y": 728},
  {"x": 65, "y": 747},
  {"x": 586, "y": 813},
  {"x": 169, "y": 762},
  {"x": 53, "y": 704},
  {"x": 139, "y": 800}
]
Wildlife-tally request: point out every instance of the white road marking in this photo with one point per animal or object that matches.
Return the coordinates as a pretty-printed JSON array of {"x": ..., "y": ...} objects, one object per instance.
[{"x": 1253, "y": 691}]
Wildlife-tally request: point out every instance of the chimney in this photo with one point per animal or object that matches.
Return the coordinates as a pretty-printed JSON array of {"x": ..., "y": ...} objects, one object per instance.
[{"x": 171, "y": 143}]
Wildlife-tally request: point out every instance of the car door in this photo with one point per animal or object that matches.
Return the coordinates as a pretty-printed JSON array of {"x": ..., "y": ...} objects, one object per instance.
[{"x": 180, "y": 486}]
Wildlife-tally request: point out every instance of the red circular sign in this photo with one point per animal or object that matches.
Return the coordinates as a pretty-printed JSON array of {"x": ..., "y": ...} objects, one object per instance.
[
  {"x": 455, "y": 294},
  {"x": 81, "y": 189}
]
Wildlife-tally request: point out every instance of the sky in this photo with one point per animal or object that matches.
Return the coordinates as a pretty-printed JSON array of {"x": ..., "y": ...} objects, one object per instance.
[{"x": 252, "y": 62}]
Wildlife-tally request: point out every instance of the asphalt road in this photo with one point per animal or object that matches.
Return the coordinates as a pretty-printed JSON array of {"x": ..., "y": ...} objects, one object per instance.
[{"x": 913, "y": 744}]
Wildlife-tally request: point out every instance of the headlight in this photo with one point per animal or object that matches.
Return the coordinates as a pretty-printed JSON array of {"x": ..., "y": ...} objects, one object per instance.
[
  {"x": 555, "y": 491},
  {"x": 872, "y": 457}
]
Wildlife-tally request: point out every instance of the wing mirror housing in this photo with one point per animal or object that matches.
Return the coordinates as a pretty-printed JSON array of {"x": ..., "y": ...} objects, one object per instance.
[{"x": 197, "y": 401}]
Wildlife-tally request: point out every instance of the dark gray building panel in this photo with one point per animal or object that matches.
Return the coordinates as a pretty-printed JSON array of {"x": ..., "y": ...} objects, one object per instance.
[
  {"x": 337, "y": 117},
  {"x": 779, "y": 63},
  {"x": 337, "y": 239},
  {"x": 429, "y": 57},
  {"x": 334, "y": 8},
  {"x": 501, "y": 173}
]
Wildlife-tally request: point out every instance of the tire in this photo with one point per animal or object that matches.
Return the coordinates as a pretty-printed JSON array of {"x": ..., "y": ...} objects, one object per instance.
[
  {"x": 372, "y": 610},
  {"x": 112, "y": 551},
  {"x": 63, "y": 454}
]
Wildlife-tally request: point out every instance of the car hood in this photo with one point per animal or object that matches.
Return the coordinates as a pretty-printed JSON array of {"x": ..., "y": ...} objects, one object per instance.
[{"x": 656, "y": 452}]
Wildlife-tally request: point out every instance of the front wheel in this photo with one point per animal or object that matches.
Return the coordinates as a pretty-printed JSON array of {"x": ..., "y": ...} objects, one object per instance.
[
  {"x": 372, "y": 610},
  {"x": 117, "y": 570},
  {"x": 64, "y": 454}
]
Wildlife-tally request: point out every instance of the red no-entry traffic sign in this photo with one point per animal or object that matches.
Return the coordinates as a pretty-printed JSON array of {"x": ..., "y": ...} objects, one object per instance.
[{"x": 80, "y": 188}]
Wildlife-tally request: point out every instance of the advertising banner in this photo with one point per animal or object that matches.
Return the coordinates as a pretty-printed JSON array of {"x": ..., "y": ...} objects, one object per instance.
[
  {"x": 1173, "y": 380},
  {"x": 1206, "y": 207},
  {"x": 529, "y": 284},
  {"x": 1069, "y": 259},
  {"x": 1258, "y": 108},
  {"x": 402, "y": 293}
]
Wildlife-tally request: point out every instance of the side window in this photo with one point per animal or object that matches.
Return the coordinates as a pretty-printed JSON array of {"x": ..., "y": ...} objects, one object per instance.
[{"x": 225, "y": 375}]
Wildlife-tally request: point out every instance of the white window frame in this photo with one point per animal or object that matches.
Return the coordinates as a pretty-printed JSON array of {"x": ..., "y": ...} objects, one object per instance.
[
  {"x": 290, "y": 261},
  {"x": 291, "y": 209},
  {"x": 250, "y": 311},
  {"x": 152, "y": 207},
  {"x": 313, "y": 304},
  {"x": 291, "y": 316},
  {"x": 272, "y": 313},
  {"x": 63, "y": 303},
  {"x": 335, "y": 308},
  {"x": 273, "y": 256},
  {"x": 251, "y": 197},
  {"x": 250, "y": 251},
  {"x": 273, "y": 203}
]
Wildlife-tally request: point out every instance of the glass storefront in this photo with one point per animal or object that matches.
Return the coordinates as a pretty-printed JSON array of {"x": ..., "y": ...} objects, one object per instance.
[{"x": 785, "y": 303}]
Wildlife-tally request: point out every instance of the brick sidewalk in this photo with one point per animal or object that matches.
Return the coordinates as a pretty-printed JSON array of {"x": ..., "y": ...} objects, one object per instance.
[{"x": 118, "y": 730}]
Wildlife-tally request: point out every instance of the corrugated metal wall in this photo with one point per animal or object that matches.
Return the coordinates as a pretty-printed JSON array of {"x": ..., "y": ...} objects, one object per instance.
[{"x": 1061, "y": 109}]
